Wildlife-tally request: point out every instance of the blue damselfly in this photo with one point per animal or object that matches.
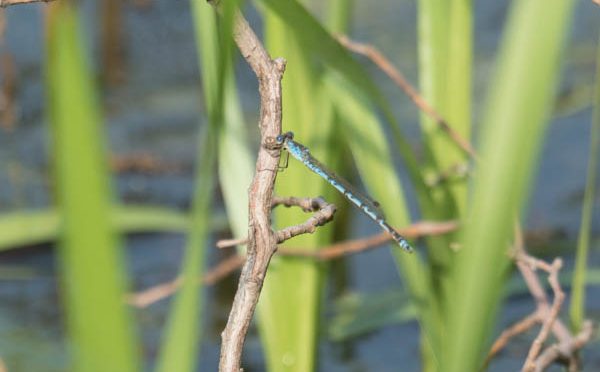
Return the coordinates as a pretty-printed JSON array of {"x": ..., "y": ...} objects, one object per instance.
[{"x": 364, "y": 203}]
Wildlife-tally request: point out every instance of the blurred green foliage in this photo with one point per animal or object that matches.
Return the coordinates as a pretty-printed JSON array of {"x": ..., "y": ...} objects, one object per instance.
[
  {"x": 333, "y": 105},
  {"x": 101, "y": 331}
]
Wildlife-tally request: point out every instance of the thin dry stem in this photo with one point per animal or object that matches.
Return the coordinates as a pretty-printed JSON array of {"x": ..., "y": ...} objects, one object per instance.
[
  {"x": 414, "y": 231},
  {"x": 566, "y": 350},
  {"x": 545, "y": 314},
  {"x": 548, "y": 318},
  {"x": 229, "y": 265},
  {"x": 154, "y": 294},
  {"x": 397, "y": 77},
  {"x": 262, "y": 242},
  {"x": 516, "y": 329}
]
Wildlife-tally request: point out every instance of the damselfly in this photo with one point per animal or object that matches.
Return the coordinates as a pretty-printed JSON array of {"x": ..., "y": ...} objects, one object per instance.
[{"x": 364, "y": 203}]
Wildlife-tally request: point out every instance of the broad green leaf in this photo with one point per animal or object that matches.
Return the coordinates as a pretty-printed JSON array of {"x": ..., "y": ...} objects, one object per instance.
[
  {"x": 457, "y": 101},
  {"x": 181, "y": 340},
  {"x": 339, "y": 15},
  {"x": 92, "y": 271},
  {"x": 235, "y": 160},
  {"x": 515, "y": 119},
  {"x": 24, "y": 228},
  {"x": 373, "y": 160}
]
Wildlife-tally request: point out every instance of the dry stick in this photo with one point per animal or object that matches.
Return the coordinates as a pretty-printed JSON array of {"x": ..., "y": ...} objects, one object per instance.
[
  {"x": 154, "y": 294},
  {"x": 262, "y": 242},
  {"x": 545, "y": 314},
  {"x": 565, "y": 349},
  {"x": 549, "y": 317},
  {"x": 414, "y": 231},
  {"x": 323, "y": 213},
  {"x": 224, "y": 268},
  {"x": 386, "y": 66},
  {"x": 521, "y": 326}
]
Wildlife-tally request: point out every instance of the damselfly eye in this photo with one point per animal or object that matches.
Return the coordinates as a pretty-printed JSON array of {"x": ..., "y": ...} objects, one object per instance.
[{"x": 279, "y": 139}]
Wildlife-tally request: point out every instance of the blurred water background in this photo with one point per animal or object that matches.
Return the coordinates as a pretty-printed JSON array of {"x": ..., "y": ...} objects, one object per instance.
[{"x": 155, "y": 113}]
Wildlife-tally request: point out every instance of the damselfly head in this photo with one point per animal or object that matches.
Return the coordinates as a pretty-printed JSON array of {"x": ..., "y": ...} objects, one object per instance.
[{"x": 280, "y": 139}]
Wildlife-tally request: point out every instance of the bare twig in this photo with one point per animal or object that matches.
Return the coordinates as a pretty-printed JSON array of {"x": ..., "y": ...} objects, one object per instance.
[
  {"x": 229, "y": 265},
  {"x": 324, "y": 213},
  {"x": 397, "y": 77},
  {"x": 223, "y": 269},
  {"x": 5, "y": 3},
  {"x": 413, "y": 231},
  {"x": 548, "y": 318},
  {"x": 545, "y": 314},
  {"x": 521, "y": 326},
  {"x": 262, "y": 242},
  {"x": 565, "y": 350},
  {"x": 227, "y": 243},
  {"x": 151, "y": 295}
]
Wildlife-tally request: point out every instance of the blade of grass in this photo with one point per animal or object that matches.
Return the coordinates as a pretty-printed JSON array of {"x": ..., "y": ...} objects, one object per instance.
[
  {"x": 178, "y": 352},
  {"x": 445, "y": 54},
  {"x": 180, "y": 343},
  {"x": 517, "y": 112},
  {"x": 35, "y": 227},
  {"x": 339, "y": 15},
  {"x": 371, "y": 154},
  {"x": 577, "y": 307},
  {"x": 92, "y": 270},
  {"x": 433, "y": 28},
  {"x": 235, "y": 160},
  {"x": 457, "y": 106}
]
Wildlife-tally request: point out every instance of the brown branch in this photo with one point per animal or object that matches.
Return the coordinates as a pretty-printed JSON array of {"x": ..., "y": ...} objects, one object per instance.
[
  {"x": 545, "y": 314},
  {"x": 566, "y": 349},
  {"x": 516, "y": 329},
  {"x": 5, "y": 3},
  {"x": 154, "y": 294},
  {"x": 223, "y": 269},
  {"x": 414, "y": 231},
  {"x": 229, "y": 265},
  {"x": 397, "y": 77},
  {"x": 262, "y": 242},
  {"x": 417, "y": 230},
  {"x": 324, "y": 213},
  {"x": 548, "y": 318}
]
